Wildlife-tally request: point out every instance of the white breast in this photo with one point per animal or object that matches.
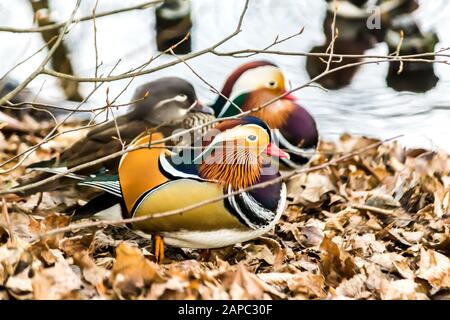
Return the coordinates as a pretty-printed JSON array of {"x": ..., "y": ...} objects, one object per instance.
[
  {"x": 222, "y": 237},
  {"x": 213, "y": 239}
]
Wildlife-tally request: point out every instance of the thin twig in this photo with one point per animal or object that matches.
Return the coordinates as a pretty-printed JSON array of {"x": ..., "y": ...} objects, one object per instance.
[
  {"x": 41, "y": 67},
  {"x": 42, "y": 106},
  {"x": 51, "y": 135},
  {"x": 385, "y": 212},
  {"x": 397, "y": 51},
  {"x": 95, "y": 38},
  {"x": 210, "y": 86},
  {"x": 133, "y": 75},
  {"x": 54, "y": 26},
  {"x": 334, "y": 36},
  {"x": 199, "y": 127},
  {"x": 28, "y": 58},
  {"x": 158, "y": 68}
]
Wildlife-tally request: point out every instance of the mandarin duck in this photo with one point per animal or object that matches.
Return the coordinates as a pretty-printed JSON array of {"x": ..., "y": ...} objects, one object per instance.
[
  {"x": 414, "y": 76},
  {"x": 6, "y": 86},
  {"x": 173, "y": 24},
  {"x": 362, "y": 24},
  {"x": 23, "y": 110},
  {"x": 154, "y": 180},
  {"x": 354, "y": 38},
  {"x": 256, "y": 83},
  {"x": 167, "y": 103}
]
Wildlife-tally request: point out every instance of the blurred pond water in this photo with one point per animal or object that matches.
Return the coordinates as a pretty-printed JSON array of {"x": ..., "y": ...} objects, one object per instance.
[{"x": 367, "y": 106}]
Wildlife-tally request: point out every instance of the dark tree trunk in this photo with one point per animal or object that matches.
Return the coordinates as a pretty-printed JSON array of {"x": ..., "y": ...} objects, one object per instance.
[{"x": 60, "y": 60}]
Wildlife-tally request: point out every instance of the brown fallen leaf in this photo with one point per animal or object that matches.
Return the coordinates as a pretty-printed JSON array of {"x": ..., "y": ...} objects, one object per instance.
[
  {"x": 441, "y": 242},
  {"x": 50, "y": 222},
  {"x": 386, "y": 260},
  {"x": 367, "y": 244},
  {"x": 277, "y": 250},
  {"x": 57, "y": 282},
  {"x": 305, "y": 285},
  {"x": 435, "y": 268},
  {"x": 77, "y": 244},
  {"x": 405, "y": 289},
  {"x": 353, "y": 288},
  {"x": 255, "y": 253},
  {"x": 312, "y": 233},
  {"x": 132, "y": 272},
  {"x": 315, "y": 186},
  {"x": 20, "y": 285},
  {"x": 335, "y": 266},
  {"x": 42, "y": 251},
  {"x": 91, "y": 272},
  {"x": 403, "y": 269},
  {"x": 241, "y": 284},
  {"x": 382, "y": 201}
]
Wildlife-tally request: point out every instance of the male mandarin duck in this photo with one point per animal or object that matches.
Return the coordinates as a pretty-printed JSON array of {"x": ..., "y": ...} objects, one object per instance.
[
  {"x": 256, "y": 83},
  {"x": 167, "y": 103},
  {"x": 155, "y": 180}
]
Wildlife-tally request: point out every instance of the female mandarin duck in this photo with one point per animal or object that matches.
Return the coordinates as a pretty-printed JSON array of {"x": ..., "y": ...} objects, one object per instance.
[
  {"x": 154, "y": 180},
  {"x": 256, "y": 83},
  {"x": 167, "y": 103}
]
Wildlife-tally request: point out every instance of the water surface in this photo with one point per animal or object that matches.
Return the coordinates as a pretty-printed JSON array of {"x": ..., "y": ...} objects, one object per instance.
[{"x": 366, "y": 107}]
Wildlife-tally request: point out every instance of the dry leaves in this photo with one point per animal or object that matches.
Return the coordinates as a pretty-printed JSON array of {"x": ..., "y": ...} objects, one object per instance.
[
  {"x": 373, "y": 227},
  {"x": 132, "y": 271},
  {"x": 435, "y": 268}
]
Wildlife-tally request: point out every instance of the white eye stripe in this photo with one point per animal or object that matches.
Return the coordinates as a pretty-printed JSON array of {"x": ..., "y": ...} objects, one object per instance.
[
  {"x": 251, "y": 79},
  {"x": 180, "y": 97}
]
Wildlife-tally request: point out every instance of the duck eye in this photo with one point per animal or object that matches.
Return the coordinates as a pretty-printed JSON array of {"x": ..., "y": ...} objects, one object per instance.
[
  {"x": 272, "y": 84},
  {"x": 180, "y": 97},
  {"x": 252, "y": 137}
]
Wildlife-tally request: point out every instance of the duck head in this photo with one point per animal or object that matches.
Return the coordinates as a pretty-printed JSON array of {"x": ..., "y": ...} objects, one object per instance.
[
  {"x": 260, "y": 82},
  {"x": 166, "y": 100},
  {"x": 254, "y": 84},
  {"x": 233, "y": 156}
]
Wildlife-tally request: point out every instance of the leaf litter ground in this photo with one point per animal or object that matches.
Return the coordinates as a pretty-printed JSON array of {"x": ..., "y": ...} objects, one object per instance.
[{"x": 376, "y": 226}]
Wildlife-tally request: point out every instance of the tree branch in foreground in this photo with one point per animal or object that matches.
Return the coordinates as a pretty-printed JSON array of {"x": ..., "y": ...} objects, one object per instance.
[{"x": 54, "y": 26}]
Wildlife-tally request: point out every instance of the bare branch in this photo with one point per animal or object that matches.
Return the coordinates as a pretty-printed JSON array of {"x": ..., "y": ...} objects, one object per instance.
[
  {"x": 199, "y": 127},
  {"x": 41, "y": 67},
  {"x": 163, "y": 66},
  {"x": 54, "y": 26}
]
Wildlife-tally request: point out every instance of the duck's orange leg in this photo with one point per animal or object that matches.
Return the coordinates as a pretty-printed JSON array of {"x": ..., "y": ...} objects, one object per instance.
[{"x": 159, "y": 248}]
